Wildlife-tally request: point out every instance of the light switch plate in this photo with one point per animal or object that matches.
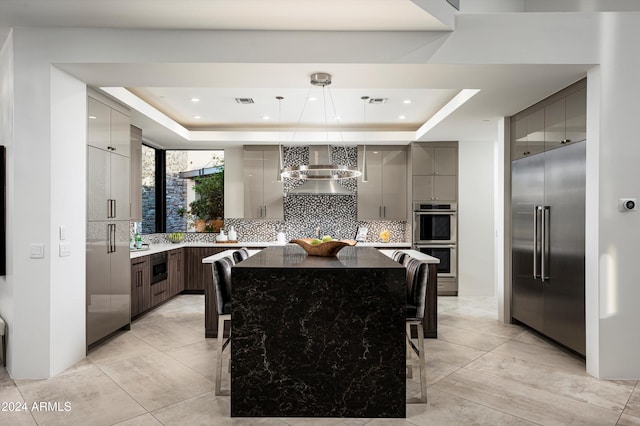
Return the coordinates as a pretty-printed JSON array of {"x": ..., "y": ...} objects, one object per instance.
[
  {"x": 36, "y": 250},
  {"x": 63, "y": 232},
  {"x": 65, "y": 249}
]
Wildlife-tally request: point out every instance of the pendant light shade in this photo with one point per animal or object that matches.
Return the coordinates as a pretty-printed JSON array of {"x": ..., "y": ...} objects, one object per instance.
[
  {"x": 280, "y": 163},
  {"x": 323, "y": 170},
  {"x": 364, "y": 149}
]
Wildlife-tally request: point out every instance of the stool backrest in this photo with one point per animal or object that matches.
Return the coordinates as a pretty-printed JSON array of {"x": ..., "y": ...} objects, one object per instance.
[
  {"x": 399, "y": 256},
  {"x": 240, "y": 255},
  {"x": 417, "y": 276},
  {"x": 222, "y": 282}
]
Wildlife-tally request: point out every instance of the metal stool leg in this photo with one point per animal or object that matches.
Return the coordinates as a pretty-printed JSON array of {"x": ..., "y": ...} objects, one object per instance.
[
  {"x": 409, "y": 352},
  {"x": 420, "y": 362},
  {"x": 222, "y": 343}
]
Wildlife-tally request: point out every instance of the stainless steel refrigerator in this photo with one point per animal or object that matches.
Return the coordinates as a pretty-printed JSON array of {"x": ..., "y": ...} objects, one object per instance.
[{"x": 548, "y": 243}]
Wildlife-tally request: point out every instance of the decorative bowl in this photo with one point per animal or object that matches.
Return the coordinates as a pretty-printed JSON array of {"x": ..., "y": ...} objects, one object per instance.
[
  {"x": 326, "y": 249},
  {"x": 176, "y": 237}
]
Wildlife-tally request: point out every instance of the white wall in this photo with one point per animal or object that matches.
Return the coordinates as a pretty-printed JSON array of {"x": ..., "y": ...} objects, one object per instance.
[
  {"x": 68, "y": 166},
  {"x": 476, "y": 240},
  {"x": 6, "y": 139},
  {"x": 616, "y": 147},
  {"x": 605, "y": 39}
]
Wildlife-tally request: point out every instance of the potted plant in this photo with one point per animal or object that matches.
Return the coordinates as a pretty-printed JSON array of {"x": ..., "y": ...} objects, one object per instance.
[{"x": 207, "y": 210}]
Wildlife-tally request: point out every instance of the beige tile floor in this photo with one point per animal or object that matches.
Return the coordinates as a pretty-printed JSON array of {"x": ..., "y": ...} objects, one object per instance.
[{"x": 480, "y": 372}]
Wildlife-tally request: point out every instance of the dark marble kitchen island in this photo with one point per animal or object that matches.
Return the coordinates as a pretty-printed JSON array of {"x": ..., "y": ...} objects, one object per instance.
[{"x": 318, "y": 336}]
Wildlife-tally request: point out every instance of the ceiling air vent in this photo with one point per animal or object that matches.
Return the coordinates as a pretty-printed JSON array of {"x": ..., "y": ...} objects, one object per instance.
[
  {"x": 378, "y": 100},
  {"x": 244, "y": 101}
]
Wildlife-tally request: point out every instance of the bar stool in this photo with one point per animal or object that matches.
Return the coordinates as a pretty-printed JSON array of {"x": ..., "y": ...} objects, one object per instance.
[
  {"x": 240, "y": 255},
  {"x": 417, "y": 276},
  {"x": 399, "y": 256},
  {"x": 222, "y": 283}
]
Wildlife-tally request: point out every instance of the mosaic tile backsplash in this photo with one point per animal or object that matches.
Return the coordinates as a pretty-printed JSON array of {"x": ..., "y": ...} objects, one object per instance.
[{"x": 307, "y": 215}]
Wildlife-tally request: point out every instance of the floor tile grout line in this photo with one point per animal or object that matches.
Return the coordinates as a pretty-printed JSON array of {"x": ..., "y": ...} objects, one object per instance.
[
  {"x": 636, "y": 387},
  {"x": 489, "y": 407},
  {"x": 24, "y": 399},
  {"x": 121, "y": 388}
]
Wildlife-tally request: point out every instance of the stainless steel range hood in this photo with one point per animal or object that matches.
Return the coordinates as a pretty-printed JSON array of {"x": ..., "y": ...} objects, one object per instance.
[{"x": 319, "y": 154}]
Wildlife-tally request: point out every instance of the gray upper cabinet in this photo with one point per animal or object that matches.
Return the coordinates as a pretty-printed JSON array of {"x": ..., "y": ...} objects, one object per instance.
[
  {"x": 551, "y": 123},
  {"x": 434, "y": 170},
  {"x": 108, "y": 128},
  {"x": 434, "y": 160},
  {"x": 108, "y": 194},
  {"x": 384, "y": 195},
  {"x": 263, "y": 194},
  {"x": 528, "y": 134},
  {"x": 566, "y": 120},
  {"x": 136, "y": 174}
]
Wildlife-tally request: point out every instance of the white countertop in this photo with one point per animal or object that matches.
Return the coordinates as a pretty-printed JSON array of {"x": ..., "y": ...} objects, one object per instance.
[
  {"x": 225, "y": 253},
  {"x": 158, "y": 248},
  {"x": 415, "y": 254}
]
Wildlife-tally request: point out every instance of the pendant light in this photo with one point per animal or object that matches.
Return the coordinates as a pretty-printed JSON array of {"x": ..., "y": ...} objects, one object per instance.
[
  {"x": 364, "y": 149},
  {"x": 280, "y": 162},
  {"x": 326, "y": 171}
]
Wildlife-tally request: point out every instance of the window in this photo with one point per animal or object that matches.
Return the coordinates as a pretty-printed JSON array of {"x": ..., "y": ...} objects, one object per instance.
[
  {"x": 191, "y": 196},
  {"x": 148, "y": 190}
]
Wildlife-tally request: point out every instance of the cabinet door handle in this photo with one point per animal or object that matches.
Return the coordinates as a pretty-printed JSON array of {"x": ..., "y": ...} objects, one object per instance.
[
  {"x": 108, "y": 208},
  {"x": 114, "y": 208},
  {"x": 113, "y": 239},
  {"x": 384, "y": 211},
  {"x": 265, "y": 211}
]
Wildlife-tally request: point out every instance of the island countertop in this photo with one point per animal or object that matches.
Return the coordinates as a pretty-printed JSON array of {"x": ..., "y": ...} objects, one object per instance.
[
  {"x": 318, "y": 336},
  {"x": 293, "y": 256},
  {"x": 160, "y": 247}
]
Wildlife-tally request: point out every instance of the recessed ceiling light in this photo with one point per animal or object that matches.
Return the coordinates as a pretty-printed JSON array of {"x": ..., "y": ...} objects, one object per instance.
[
  {"x": 312, "y": 99},
  {"x": 195, "y": 100},
  {"x": 93, "y": 117},
  {"x": 406, "y": 101},
  {"x": 265, "y": 117},
  {"x": 197, "y": 117},
  {"x": 402, "y": 117}
]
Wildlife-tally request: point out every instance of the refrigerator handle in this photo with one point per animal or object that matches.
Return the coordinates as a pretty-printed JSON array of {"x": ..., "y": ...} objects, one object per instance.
[
  {"x": 536, "y": 209},
  {"x": 545, "y": 239}
]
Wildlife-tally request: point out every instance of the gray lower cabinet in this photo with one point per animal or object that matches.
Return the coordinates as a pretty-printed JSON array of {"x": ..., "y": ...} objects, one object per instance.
[
  {"x": 108, "y": 286},
  {"x": 159, "y": 292},
  {"x": 140, "y": 285}
]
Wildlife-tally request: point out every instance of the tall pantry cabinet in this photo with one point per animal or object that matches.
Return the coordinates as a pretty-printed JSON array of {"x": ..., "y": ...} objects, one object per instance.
[{"x": 108, "y": 213}]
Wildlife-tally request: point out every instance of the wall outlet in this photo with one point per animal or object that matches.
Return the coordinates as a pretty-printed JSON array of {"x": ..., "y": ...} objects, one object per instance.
[{"x": 65, "y": 249}]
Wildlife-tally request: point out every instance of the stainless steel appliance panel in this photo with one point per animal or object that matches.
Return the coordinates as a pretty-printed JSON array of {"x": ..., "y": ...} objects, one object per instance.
[
  {"x": 434, "y": 223},
  {"x": 548, "y": 208},
  {"x": 564, "y": 310},
  {"x": 527, "y": 188},
  {"x": 447, "y": 254}
]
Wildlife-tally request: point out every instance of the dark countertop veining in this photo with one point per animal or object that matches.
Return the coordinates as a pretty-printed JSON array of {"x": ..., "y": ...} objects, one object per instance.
[{"x": 318, "y": 336}]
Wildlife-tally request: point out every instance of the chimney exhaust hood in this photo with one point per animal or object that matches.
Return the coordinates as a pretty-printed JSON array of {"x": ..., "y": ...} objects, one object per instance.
[{"x": 319, "y": 155}]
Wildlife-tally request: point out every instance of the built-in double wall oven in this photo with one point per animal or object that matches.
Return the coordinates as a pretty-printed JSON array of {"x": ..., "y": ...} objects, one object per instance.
[{"x": 435, "y": 234}]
